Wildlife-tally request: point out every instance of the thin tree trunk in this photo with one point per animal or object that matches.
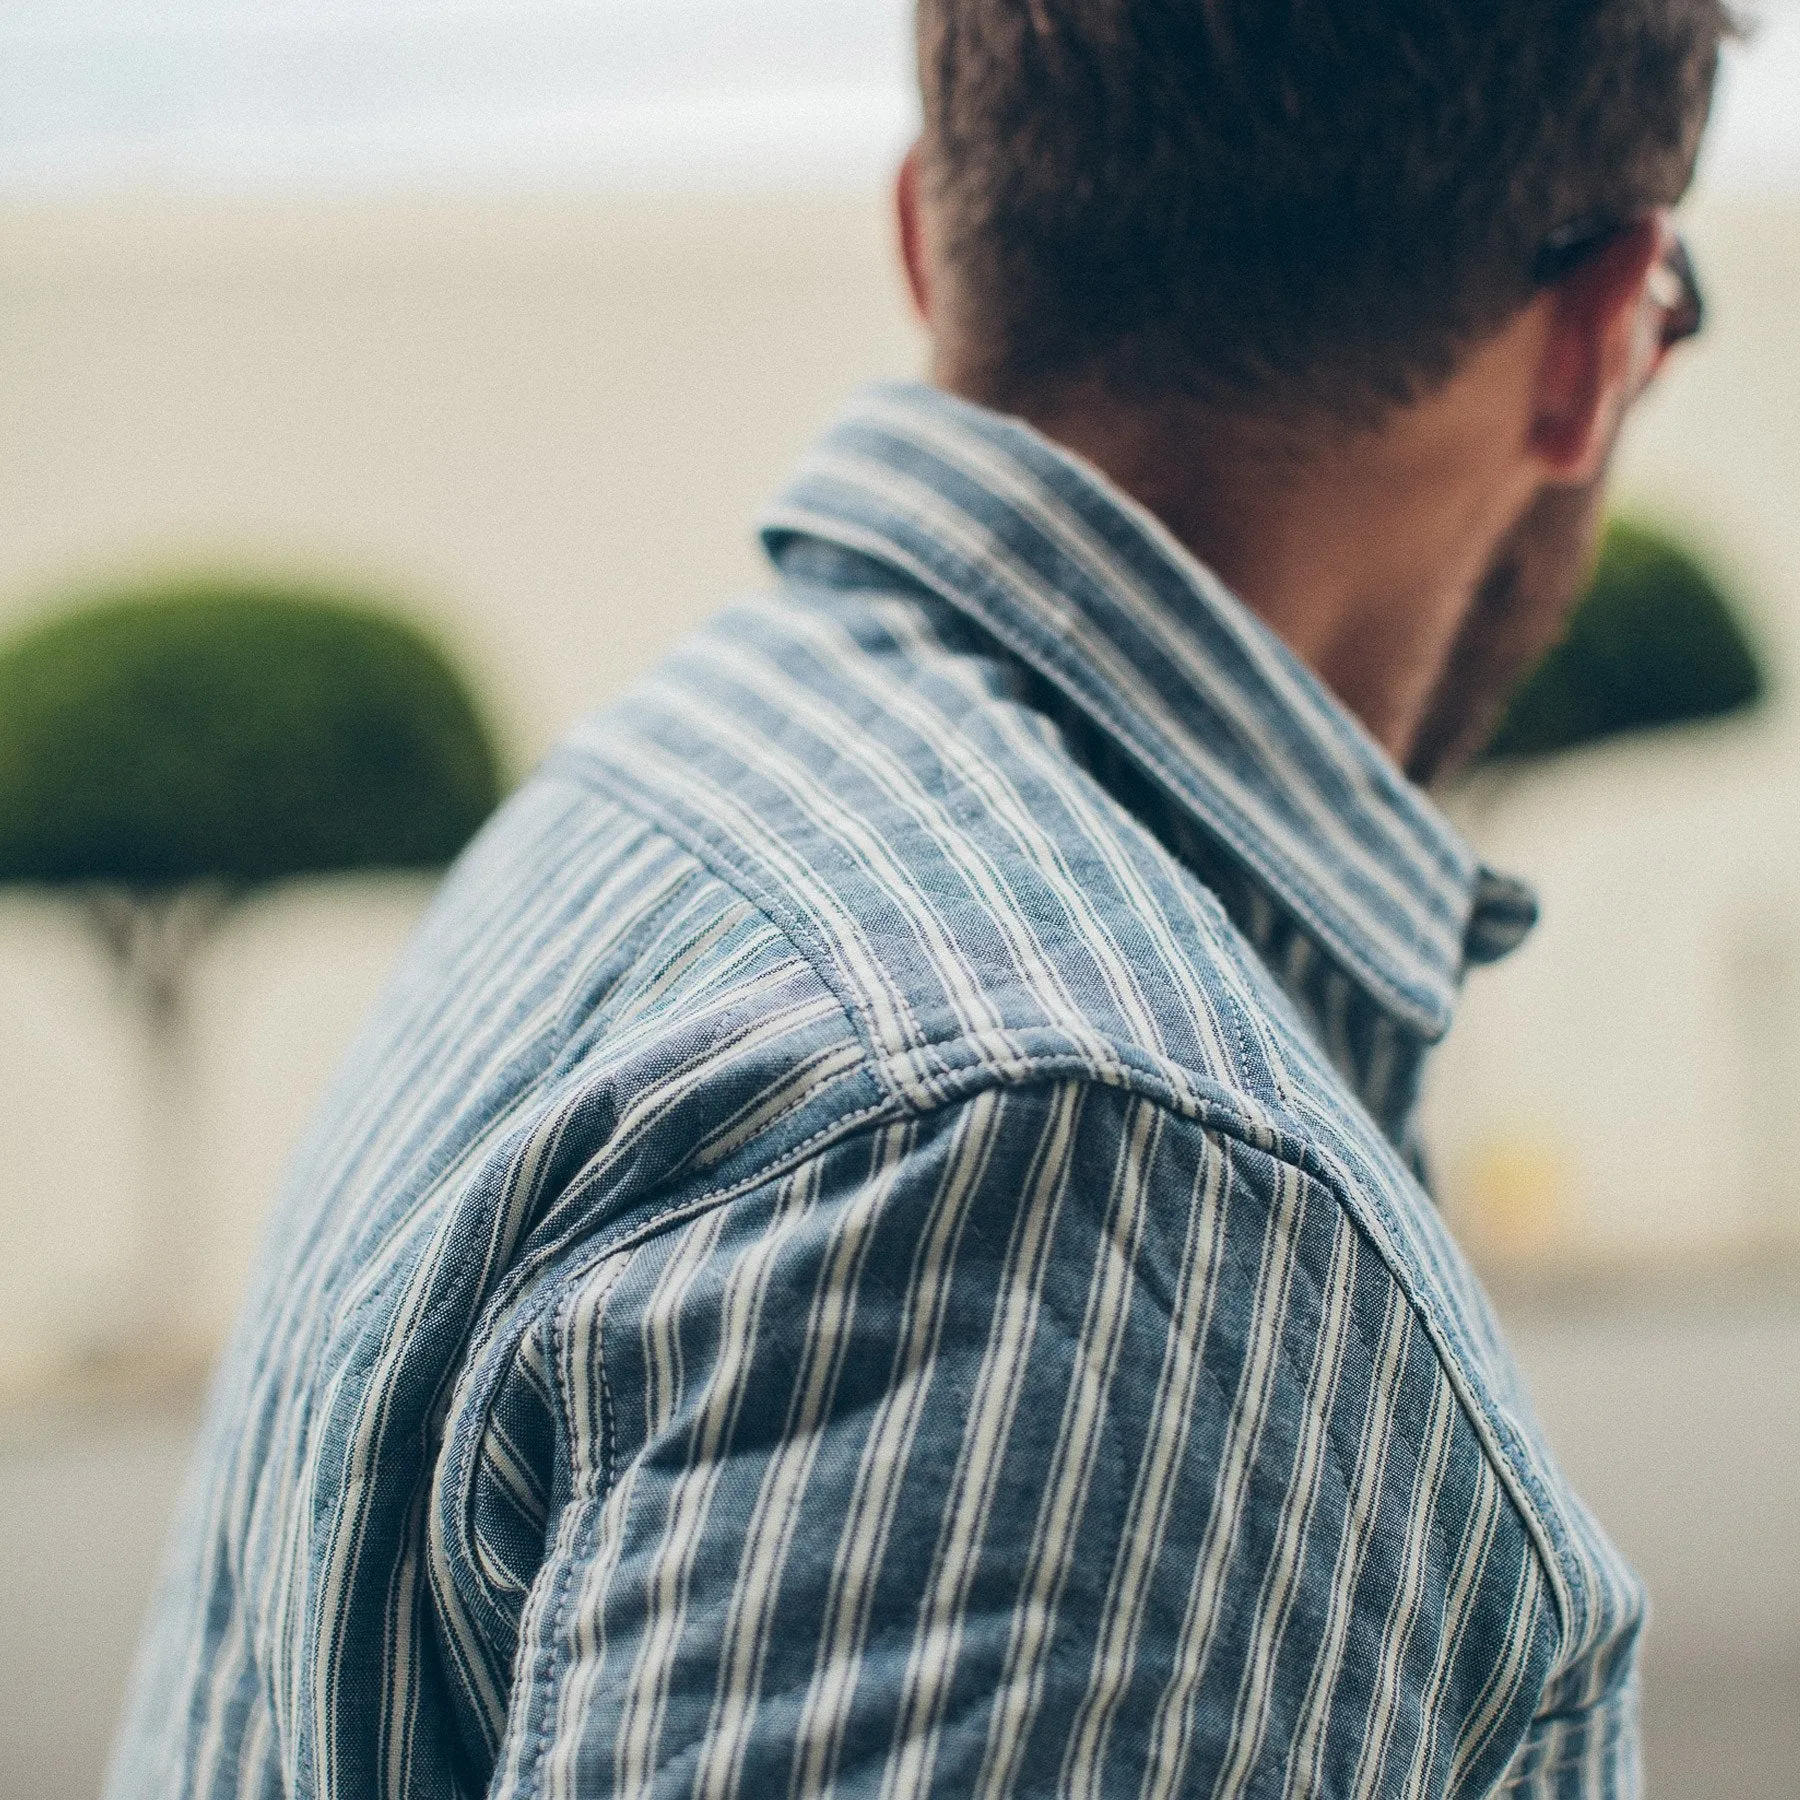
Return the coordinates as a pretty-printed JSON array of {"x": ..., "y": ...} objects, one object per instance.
[{"x": 153, "y": 939}]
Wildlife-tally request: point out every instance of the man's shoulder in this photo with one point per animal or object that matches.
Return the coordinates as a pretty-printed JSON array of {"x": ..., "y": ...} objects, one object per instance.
[
  {"x": 848, "y": 873},
  {"x": 888, "y": 807},
  {"x": 827, "y": 865},
  {"x": 870, "y": 779}
]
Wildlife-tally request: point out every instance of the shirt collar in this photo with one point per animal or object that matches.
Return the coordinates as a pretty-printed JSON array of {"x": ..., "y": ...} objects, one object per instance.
[{"x": 1094, "y": 593}]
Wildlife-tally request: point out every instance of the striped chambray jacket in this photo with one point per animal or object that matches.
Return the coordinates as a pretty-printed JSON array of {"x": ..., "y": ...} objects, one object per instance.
[{"x": 873, "y": 1247}]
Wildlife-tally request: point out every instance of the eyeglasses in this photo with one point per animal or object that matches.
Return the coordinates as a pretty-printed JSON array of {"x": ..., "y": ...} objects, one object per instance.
[{"x": 1674, "y": 287}]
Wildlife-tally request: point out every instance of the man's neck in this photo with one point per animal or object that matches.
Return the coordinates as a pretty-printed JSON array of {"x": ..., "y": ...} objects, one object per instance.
[{"x": 1364, "y": 552}]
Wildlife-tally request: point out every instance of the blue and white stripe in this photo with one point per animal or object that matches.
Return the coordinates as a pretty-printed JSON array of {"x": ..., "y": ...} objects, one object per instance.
[{"x": 874, "y": 1250}]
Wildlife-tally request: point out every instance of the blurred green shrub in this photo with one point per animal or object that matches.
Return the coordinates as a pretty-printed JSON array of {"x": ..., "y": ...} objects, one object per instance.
[
  {"x": 233, "y": 733},
  {"x": 166, "y": 751},
  {"x": 1654, "y": 642}
]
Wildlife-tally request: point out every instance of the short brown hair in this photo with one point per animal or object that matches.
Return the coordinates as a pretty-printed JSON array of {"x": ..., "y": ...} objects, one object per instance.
[{"x": 1309, "y": 206}]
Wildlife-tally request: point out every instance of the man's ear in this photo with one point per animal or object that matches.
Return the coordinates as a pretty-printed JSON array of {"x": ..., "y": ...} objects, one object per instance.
[
  {"x": 1598, "y": 348},
  {"x": 909, "y": 210}
]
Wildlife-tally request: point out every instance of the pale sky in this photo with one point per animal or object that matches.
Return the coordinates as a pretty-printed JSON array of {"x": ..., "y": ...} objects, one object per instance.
[{"x": 371, "y": 95}]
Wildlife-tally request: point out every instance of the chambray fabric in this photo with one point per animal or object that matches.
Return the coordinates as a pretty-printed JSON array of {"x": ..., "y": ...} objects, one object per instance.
[{"x": 875, "y": 1248}]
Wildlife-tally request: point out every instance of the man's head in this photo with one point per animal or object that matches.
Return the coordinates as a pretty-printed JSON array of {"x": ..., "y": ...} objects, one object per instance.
[
  {"x": 1306, "y": 207},
  {"x": 1321, "y": 227}
]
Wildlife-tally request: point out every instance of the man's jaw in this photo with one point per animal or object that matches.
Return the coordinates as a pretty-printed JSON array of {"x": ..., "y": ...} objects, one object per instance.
[{"x": 1518, "y": 612}]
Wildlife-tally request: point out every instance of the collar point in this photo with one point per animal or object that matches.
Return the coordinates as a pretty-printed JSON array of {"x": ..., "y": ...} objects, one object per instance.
[{"x": 1502, "y": 917}]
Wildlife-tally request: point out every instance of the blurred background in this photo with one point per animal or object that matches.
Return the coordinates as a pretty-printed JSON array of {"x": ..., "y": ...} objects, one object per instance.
[{"x": 511, "y": 314}]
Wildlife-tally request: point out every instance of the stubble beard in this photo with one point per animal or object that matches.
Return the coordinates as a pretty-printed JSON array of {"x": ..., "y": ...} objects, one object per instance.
[{"x": 1520, "y": 610}]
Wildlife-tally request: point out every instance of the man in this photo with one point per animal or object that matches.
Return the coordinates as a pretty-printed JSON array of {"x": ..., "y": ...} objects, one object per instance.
[{"x": 874, "y": 1247}]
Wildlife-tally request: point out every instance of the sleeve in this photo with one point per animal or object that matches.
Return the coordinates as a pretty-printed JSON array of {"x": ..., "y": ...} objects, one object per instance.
[
  {"x": 1046, "y": 1444},
  {"x": 1585, "y": 1739}
]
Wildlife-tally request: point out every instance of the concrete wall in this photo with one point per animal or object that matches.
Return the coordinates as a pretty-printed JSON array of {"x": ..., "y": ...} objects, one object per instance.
[{"x": 548, "y": 427}]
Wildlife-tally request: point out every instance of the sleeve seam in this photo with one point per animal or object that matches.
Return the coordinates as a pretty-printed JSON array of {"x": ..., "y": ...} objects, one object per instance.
[
  {"x": 1500, "y": 1463},
  {"x": 1214, "y": 1118}
]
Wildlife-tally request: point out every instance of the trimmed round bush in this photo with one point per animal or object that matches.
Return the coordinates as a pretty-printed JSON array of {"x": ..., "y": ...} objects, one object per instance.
[
  {"x": 1653, "y": 643},
  {"x": 235, "y": 733}
]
